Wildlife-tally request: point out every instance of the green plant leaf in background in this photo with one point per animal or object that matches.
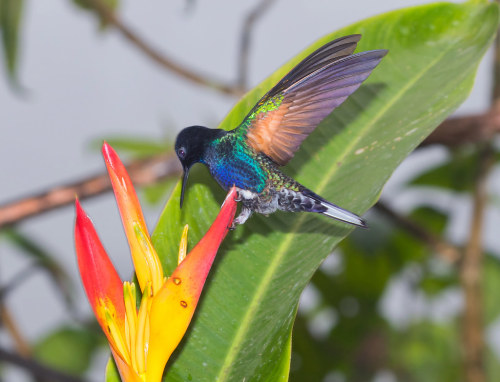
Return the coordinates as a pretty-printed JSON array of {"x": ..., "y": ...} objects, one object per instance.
[
  {"x": 491, "y": 283},
  {"x": 458, "y": 174},
  {"x": 243, "y": 323},
  {"x": 430, "y": 352},
  {"x": 135, "y": 146},
  {"x": 69, "y": 349},
  {"x": 10, "y": 20}
]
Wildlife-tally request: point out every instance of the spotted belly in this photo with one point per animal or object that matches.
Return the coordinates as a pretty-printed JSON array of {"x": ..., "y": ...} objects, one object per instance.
[
  {"x": 259, "y": 202},
  {"x": 284, "y": 200}
]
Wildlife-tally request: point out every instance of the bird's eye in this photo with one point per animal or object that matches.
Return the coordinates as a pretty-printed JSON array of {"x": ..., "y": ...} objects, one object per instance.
[{"x": 181, "y": 153}]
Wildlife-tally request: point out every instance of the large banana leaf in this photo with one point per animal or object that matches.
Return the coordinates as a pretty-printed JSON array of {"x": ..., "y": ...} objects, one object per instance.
[{"x": 242, "y": 328}]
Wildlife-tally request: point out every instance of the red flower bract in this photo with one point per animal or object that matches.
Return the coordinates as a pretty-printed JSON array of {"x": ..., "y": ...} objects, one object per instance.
[{"x": 143, "y": 339}]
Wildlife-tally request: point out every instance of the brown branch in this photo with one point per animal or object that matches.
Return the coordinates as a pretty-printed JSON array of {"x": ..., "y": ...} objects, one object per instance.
[
  {"x": 470, "y": 277},
  {"x": 447, "y": 251},
  {"x": 110, "y": 18},
  {"x": 142, "y": 172},
  {"x": 36, "y": 369},
  {"x": 9, "y": 323},
  {"x": 473, "y": 257},
  {"x": 245, "y": 43},
  {"x": 459, "y": 131}
]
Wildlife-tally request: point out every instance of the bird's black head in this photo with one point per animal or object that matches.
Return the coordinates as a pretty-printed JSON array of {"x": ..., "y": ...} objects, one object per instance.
[{"x": 190, "y": 148}]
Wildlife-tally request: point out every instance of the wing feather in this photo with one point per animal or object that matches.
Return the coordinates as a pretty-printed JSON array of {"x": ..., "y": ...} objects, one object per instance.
[{"x": 293, "y": 108}]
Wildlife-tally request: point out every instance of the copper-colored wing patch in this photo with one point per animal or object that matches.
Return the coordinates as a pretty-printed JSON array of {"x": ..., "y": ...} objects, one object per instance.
[
  {"x": 305, "y": 102},
  {"x": 263, "y": 136}
]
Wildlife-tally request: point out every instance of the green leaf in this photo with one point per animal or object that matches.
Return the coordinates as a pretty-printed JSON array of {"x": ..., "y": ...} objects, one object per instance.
[
  {"x": 433, "y": 285},
  {"x": 243, "y": 323},
  {"x": 491, "y": 283},
  {"x": 411, "y": 351},
  {"x": 69, "y": 349},
  {"x": 137, "y": 147},
  {"x": 112, "y": 374},
  {"x": 444, "y": 363},
  {"x": 492, "y": 365},
  {"x": 156, "y": 192},
  {"x": 433, "y": 220},
  {"x": 457, "y": 174},
  {"x": 10, "y": 20}
]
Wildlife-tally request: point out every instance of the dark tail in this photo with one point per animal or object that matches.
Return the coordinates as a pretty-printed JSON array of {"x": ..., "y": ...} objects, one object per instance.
[{"x": 324, "y": 207}]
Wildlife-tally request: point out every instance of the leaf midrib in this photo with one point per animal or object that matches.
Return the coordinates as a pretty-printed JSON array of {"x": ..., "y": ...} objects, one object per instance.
[{"x": 266, "y": 280}]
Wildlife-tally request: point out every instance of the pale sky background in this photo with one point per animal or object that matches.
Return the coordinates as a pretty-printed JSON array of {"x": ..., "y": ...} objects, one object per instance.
[{"x": 83, "y": 85}]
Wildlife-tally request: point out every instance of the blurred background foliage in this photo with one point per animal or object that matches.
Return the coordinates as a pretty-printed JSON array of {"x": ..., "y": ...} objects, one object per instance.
[{"x": 411, "y": 299}]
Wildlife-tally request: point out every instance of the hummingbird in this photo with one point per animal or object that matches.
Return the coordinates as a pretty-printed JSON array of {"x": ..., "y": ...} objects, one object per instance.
[{"x": 249, "y": 156}]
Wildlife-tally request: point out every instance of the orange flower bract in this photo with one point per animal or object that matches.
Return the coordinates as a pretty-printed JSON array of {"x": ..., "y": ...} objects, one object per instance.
[{"x": 142, "y": 340}]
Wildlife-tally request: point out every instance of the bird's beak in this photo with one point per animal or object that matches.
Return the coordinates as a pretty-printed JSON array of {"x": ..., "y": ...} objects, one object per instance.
[{"x": 184, "y": 181}]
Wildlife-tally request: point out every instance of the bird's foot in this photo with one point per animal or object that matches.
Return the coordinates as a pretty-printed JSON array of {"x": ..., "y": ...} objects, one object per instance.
[{"x": 242, "y": 218}]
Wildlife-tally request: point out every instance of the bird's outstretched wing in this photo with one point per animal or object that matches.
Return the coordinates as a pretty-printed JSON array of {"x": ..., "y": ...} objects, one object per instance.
[{"x": 292, "y": 109}]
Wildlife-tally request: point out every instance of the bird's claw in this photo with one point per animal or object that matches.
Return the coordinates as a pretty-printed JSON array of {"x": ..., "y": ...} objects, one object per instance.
[
  {"x": 236, "y": 223},
  {"x": 238, "y": 197}
]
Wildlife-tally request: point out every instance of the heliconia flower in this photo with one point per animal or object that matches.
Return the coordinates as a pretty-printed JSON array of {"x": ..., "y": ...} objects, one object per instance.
[{"x": 142, "y": 340}]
